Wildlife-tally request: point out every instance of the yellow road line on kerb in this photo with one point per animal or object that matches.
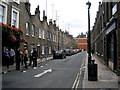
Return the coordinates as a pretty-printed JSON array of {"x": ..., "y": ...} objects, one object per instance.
[{"x": 77, "y": 80}]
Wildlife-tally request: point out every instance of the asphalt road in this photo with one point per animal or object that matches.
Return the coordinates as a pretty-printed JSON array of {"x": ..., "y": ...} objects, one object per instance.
[{"x": 56, "y": 73}]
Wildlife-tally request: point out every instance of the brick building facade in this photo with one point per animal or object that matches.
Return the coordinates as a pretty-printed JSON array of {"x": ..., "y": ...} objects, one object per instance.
[
  {"x": 105, "y": 37},
  {"x": 44, "y": 36},
  {"x": 81, "y": 41}
]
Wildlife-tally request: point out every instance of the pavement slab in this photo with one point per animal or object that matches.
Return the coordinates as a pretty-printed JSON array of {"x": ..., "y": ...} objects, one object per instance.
[{"x": 107, "y": 79}]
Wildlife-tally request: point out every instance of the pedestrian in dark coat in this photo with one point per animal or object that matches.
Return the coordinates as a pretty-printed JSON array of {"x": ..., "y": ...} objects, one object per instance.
[
  {"x": 18, "y": 58},
  {"x": 34, "y": 56}
]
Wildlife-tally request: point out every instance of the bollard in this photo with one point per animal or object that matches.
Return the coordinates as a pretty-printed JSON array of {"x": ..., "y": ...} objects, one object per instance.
[{"x": 92, "y": 71}]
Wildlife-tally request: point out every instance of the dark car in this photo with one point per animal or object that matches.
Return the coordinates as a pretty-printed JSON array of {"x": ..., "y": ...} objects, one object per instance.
[{"x": 59, "y": 54}]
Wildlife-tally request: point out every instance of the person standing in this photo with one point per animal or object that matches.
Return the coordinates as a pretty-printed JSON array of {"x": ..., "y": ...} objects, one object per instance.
[
  {"x": 31, "y": 59},
  {"x": 12, "y": 54},
  {"x": 34, "y": 56},
  {"x": 7, "y": 58},
  {"x": 25, "y": 57},
  {"x": 18, "y": 59}
]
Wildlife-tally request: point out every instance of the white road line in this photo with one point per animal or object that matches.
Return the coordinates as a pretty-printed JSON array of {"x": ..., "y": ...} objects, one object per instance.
[{"x": 41, "y": 74}]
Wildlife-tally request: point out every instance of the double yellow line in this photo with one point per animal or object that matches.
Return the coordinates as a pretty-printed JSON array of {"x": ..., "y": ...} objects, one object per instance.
[{"x": 77, "y": 80}]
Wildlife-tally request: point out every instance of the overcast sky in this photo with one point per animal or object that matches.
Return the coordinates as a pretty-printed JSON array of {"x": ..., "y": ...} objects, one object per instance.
[{"x": 72, "y": 15}]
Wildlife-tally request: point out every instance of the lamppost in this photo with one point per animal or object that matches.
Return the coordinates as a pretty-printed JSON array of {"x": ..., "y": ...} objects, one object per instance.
[
  {"x": 58, "y": 38},
  {"x": 89, "y": 40},
  {"x": 92, "y": 68}
]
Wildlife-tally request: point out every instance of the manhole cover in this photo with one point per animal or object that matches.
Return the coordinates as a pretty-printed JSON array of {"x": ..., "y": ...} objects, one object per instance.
[{"x": 105, "y": 77}]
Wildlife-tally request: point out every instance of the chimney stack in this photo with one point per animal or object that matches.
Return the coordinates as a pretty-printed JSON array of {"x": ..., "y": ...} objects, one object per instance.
[
  {"x": 43, "y": 13},
  {"x": 54, "y": 23},
  {"x": 27, "y": 6},
  {"x": 44, "y": 17},
  {"x": 50, "y": 21},
  {"x": 37, "y": 11}
]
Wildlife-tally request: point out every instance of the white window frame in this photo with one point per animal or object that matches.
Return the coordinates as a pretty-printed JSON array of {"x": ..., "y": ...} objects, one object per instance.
[
  {"x": 47, "y": 35},
  {"x": 27, "y": 29},
  {"x": 17, "y": 1},
  {"x": 53, "y": 37},
  {"x": 39, "y": 33},
  {"x": 50, "y": 35},
  {"x": 43, "y": 34},
  {"x": 33, "y": 30},
  {"x": 43, "y": 50},
  {"x": 50, "y": 49},
  {"x": 14, "y": 9},
  {"x": 5, "y": 12}
]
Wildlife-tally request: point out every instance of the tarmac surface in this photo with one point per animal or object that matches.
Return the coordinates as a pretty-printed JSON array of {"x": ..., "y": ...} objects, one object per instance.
[{"x": 107, "y": 79}]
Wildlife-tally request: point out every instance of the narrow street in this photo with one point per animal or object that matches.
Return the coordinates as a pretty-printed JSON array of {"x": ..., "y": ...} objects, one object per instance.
[{"x": 56, "y": 73}]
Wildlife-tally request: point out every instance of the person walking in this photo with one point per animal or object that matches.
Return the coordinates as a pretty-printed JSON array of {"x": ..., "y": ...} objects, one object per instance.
[
  {"x": 25, "y": 57},
  {"x": 34, "y": 56},
  {"x": 7, "y": 58},
  {"x": 12, "y": 54},
  {"x": 18, "y": 58}
]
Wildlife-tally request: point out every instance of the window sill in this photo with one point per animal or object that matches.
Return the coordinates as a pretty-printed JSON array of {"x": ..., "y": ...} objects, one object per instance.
[
  {"x": 28, "y": 35},
  {"x": 33, "y": 36}
]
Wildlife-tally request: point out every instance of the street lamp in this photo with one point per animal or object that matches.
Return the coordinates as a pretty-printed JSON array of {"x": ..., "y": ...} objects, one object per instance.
[
  {"x": 58, "y": 38},
  {"x": 89, "y": 40},
  {"x": 92, "y": 68}
]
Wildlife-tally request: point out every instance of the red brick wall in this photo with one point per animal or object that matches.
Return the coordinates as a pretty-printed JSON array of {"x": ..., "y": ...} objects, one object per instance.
[{"x": 81, "y": 43}]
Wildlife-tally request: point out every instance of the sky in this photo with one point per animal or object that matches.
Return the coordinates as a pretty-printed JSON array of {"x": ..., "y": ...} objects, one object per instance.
[{"x": 71, "y": 15}]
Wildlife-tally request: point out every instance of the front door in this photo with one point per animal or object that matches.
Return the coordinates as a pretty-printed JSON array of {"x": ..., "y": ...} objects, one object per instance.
[{"x": 38, "y": 51}]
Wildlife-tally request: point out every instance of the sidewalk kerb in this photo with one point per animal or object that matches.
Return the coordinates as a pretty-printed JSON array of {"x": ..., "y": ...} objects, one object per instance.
[{"x": 85, "y": 73}]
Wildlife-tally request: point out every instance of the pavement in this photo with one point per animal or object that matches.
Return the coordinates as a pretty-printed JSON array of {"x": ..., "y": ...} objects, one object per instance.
[
  {"x": 13, "y": 67},
  {"x": 107, "y": 79}
]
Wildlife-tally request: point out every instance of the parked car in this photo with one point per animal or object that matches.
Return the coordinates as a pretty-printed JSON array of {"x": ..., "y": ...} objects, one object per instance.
[
  {"x": 68, "y": 52},
  {"x": 59, "y": 54},
  {"x": 75, "y": 51}
]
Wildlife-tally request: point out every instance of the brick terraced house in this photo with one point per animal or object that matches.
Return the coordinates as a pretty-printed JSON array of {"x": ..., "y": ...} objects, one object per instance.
[{"x": 44, "y": 36}]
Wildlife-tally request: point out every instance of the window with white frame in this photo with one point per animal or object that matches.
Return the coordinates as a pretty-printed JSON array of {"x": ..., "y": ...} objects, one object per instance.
[
  {"x": 47, "y": 35},
  {"x": 50, "y": 35},
  {"x": 33, "y": 30},
  {"x": 43, "y": 34},
  {"x": 53, "y": 37},
  {"x": 42, "y": 49},
  {"x": 39, "y": 33},
  {"x": 27, "y": 28},
  {"x": 3, "y": 13},
  {"x": 50, "y": 50},
  {"x": 15, "y": 17}
]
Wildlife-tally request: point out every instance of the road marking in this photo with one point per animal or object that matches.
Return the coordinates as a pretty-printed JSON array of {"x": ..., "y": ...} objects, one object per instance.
[
  {"x": 41, "y": 74},
  {"x": 77, "y": 80}
]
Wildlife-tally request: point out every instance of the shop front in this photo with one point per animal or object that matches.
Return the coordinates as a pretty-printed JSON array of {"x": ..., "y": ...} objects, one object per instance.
[{"x": 111, "y": 46}]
